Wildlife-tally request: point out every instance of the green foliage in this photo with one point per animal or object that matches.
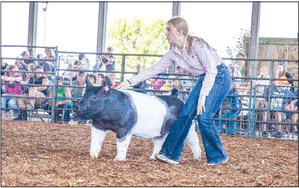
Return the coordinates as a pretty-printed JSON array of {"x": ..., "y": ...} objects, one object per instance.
[
  {"x": 138, "y": 37},
  {"x": 233, "y": 50}
]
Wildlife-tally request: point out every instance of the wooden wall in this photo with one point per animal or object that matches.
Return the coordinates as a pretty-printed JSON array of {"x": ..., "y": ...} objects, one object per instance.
[{"x": 277, "y": 48}]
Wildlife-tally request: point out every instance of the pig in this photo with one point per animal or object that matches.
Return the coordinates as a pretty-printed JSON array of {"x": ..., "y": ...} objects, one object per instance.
[{"x": 129, "y": 113}]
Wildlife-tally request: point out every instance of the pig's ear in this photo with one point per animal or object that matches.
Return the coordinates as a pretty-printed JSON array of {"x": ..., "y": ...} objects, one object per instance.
[
  {"x": 106, "y": 84},
  {"x": 88, "y": 83},
  {"x": 107, "y": 81}
]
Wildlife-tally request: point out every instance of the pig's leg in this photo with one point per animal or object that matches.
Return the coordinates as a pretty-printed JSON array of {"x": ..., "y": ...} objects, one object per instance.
[
  {"x": 158, "y": 142},
  {"x": 193, "y": 142},
  {"x": 122, "y": 147},
  {"x": 97, "y": 137}
]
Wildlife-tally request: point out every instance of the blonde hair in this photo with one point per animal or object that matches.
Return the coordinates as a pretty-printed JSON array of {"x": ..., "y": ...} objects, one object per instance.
[
  {"x": 181, "y": 24},
  {"x": 11, "y": 67},
  {"x": 31, "y": 66}
]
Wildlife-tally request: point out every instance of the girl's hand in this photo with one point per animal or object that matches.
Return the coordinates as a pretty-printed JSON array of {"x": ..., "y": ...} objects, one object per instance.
[
  {"x": 201, "y": 105},
  {"x": 124, "y": 85}
]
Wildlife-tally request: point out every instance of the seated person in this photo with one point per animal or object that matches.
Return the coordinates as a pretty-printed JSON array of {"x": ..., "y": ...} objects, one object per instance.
[
  {"x": 112, "y": 79},
  {"x": 99, "y": 65},
  {"x": 234, "y": 102},
  {"x": 78, "y": 88},
  {"x": 8, "y": 98},
  {"x": 158, "y": 83},
  {"x": 99, "y": 80},
  {"x": 278, "y": 103},
  {"x": 31, "y": 68},
  {"x": 77, "y": 92},
  {"x": 291, "y": 114},
  {"x": 167, "y": 86},
  {"x": 68, "y": 73},
  {"x": 186, "y": 83},
  {"x": 92, "y": 78},
  {"x": 39, "y": 92},
  {"x": 177, "y": 84},
  {"x": 61, "y": 103}
]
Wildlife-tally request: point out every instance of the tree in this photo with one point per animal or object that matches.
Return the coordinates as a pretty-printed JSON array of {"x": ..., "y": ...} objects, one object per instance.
[
  {"x": 138, "y": 37},
  {"x": 233, "y": 50}
]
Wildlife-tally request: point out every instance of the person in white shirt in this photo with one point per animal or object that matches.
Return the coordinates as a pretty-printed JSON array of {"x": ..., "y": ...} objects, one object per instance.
[{"x": 84, "y": 61}]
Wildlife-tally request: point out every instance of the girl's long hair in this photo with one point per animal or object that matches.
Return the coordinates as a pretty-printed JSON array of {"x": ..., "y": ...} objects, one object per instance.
[{"x": 181, "y": 24}]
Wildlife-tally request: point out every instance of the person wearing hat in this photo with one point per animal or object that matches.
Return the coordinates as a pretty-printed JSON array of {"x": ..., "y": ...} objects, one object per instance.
[
  {"x": 23, "y": 63},
  {"x": 278, "y": 102}
]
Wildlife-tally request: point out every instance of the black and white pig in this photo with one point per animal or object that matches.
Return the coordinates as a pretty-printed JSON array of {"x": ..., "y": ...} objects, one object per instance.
[{"x": 130, "y": 113}]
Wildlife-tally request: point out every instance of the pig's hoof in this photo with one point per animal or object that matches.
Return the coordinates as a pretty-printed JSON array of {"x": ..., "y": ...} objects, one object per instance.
[
  {"x": 94, "y": 154},
  {"x": 196, "y": 157},
  {"x": 119, "y": 158}
]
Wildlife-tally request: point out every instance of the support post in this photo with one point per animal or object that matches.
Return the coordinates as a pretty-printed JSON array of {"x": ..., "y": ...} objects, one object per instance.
[
  {"x": 254, "y": 38},
  {"x": 176, "y": 8},
  {"x": 102, "y": 21},
  {"x": 176, "y": 11},
  {"x": 32, "y": 24}
]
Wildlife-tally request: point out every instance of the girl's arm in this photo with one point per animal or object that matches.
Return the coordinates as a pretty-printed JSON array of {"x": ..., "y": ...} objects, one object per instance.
[{"x": 165, "y": 62}]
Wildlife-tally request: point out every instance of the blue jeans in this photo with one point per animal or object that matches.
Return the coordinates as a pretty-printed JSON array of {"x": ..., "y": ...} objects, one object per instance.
[
  {"x": 11, "y": 102},
  {"x": 174, "y": 142},
  {"x": 232, "y": 114}
]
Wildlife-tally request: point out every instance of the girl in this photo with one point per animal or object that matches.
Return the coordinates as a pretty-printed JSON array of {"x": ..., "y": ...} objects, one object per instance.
[
  {"x": 194, "y": 55},
  {"x": 11, "y": 89},
  {"x": 38, "y": 92}
]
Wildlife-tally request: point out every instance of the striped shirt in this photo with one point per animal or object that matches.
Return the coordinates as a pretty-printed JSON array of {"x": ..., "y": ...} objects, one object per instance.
[{"x": 201, "y": 60}]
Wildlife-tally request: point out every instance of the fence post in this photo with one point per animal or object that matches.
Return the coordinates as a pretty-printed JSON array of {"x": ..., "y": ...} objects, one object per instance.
[
  {"x": 251, "y": 115},
  {"x": 144, "y": 87},
  {"x": 123, "y": 60},
  {"x": 270, "y": 88},
  {"x": 55, "y": 84}
]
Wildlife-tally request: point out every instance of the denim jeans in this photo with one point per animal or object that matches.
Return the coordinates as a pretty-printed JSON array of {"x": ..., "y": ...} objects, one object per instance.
[
  {"x": 232, "y": 114},
  {"x": 173, "y": 145},
  {"x": 12, "y": 103}
]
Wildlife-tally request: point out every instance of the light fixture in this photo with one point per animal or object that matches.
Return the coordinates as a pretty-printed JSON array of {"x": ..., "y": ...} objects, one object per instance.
[{"x": 45, "y": 6}]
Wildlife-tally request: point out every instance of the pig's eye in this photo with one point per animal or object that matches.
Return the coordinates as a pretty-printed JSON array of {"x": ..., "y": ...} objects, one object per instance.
[{"x": 94, "y": 98}]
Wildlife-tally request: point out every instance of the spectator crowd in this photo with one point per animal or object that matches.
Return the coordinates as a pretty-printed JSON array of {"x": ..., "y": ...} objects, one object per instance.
[{"x": 28, "y": 85}]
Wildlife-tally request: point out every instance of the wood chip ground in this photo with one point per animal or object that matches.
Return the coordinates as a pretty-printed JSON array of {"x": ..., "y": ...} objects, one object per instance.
[{"x": 47, "y": 154}]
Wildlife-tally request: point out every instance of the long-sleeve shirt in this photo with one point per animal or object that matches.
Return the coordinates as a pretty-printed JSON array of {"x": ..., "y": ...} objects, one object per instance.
[{"x": 201, "y": 60}]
